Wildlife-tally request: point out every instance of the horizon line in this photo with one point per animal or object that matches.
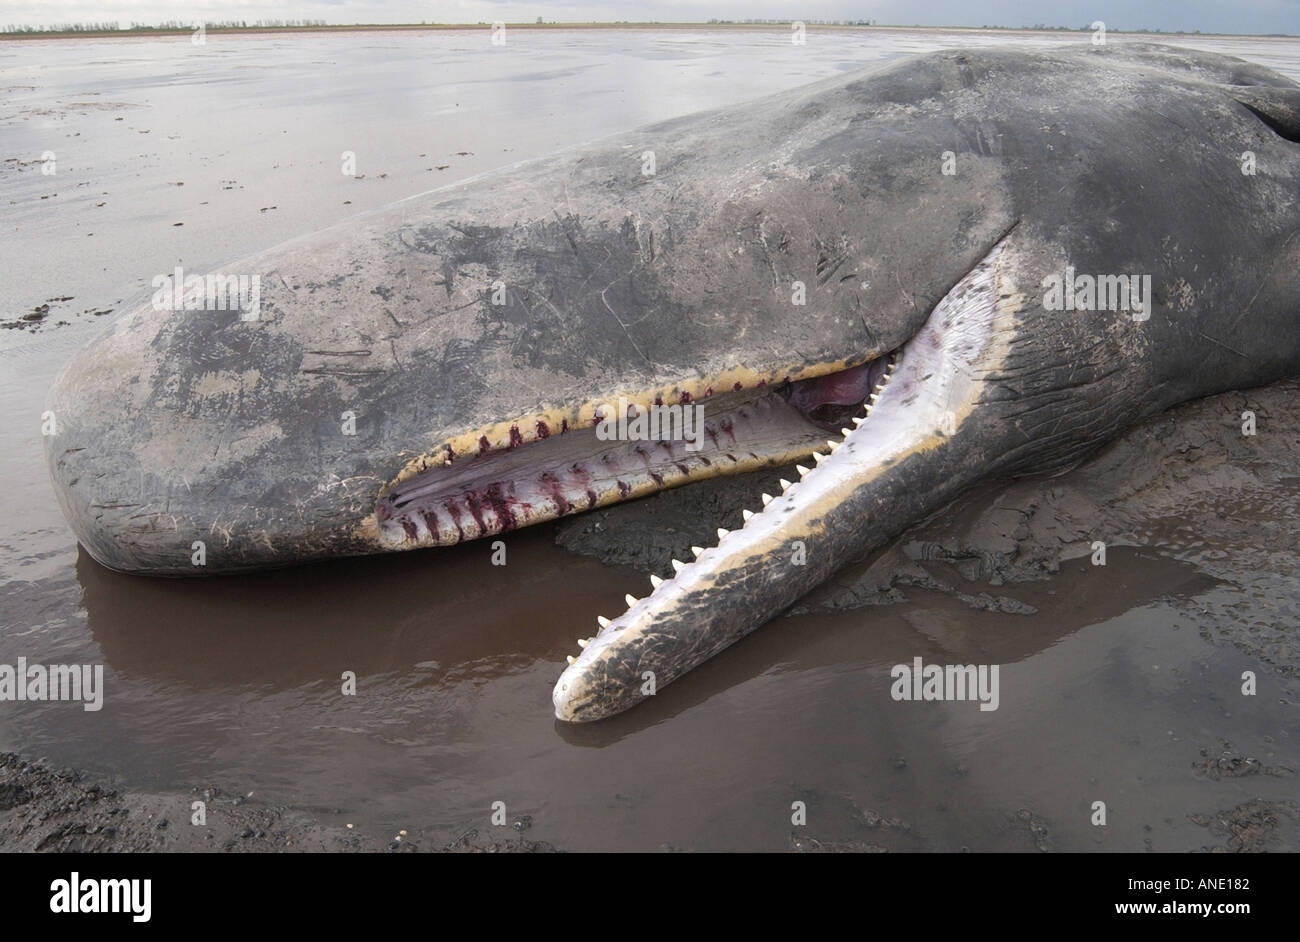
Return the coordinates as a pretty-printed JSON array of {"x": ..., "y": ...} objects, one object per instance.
[{"x": 102, "y": 30}]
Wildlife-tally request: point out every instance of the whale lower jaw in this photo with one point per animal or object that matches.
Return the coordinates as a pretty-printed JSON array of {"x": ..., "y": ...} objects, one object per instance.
[{"x": 861, "y": 492}]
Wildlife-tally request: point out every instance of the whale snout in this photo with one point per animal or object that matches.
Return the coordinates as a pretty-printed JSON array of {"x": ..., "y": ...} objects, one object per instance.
[{"x": 172, "y": 453}]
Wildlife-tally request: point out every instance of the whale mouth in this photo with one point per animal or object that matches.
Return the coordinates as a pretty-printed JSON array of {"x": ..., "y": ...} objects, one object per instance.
[
  {"x": 548, "y": 465},
  {"x": 629, "y": 448},
  {"x": 863, "y": 489}
]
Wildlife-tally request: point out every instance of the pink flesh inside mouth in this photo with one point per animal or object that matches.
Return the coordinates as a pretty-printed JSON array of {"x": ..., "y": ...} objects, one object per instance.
[{"x": 574, "y": 470}]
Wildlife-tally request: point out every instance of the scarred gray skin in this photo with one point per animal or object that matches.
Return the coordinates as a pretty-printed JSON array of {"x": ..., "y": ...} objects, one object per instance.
[{"x": 183, "y": 426}]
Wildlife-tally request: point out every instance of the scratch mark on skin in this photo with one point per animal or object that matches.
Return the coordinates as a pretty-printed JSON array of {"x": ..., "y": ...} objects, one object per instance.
[
  {"x": 873, "y": 342},
  {"x": 902, "y": 290},
  {"x": 459, "y": 307},
  {"x": 573, "y": 243},
  {"x": 767, "y": 253},
  {"x": 1222, "y": 344},
  {"x": 1177, "y": 124},
  {"x": 545, "y": 300},
  {"x": 434, "y": 322},
  {"x": 582, "y": 287},
  {"x": 1280, "y": 254},
  {"x": 605, "y": 302},
  {"x": 343, "y": 371},
  {"x": 529, "y": 312}
]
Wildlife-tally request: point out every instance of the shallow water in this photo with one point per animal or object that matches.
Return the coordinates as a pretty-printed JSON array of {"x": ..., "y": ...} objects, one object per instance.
[{"x": 1108, "y": 692}]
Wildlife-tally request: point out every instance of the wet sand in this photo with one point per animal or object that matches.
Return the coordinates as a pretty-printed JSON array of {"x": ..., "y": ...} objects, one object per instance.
[{"x": 1119, "y": 683}]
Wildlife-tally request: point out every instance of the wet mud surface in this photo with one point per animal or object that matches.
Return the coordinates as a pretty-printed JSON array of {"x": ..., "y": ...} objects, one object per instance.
[{"x": 59, "y": 810}]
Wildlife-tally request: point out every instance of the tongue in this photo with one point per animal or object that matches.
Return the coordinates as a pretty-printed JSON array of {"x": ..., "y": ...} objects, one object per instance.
[{"x": 845, "y": 388}]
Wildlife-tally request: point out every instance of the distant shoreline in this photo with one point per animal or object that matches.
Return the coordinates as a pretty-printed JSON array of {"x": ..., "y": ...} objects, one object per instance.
[{"x": 449, "y": 27}]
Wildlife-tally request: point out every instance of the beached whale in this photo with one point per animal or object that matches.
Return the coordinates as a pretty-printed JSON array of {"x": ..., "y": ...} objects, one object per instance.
[{"x": 962, "y": 265}]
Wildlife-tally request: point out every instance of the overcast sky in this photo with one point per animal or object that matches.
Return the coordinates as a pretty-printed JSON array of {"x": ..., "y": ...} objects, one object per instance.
[{"x": 1229, "y": 16}]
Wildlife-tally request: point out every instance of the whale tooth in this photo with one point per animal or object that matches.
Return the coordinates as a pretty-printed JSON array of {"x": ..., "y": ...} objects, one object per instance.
[
  {"x": 678, "y": 565},
  {"x": 845, "y": 432},
  {"x": 819, "y": 457},
  {"x": 747, "y": 514},
  {"x": 767, "y": 499},
  {"x": 832, "y": 445},
  {"x": 570, "y": 658},
  {"x": 859, "y": 419},
  {"x": 656, "y": 581},
  {"x": 786, "y": 485},
  {"x": 602, "y": 621},
  {"x": 630, "y": 600},
  {"x": 722, "y": 534},
  {"x": 582, "y": 642},
  {"x": 698, "y": 551},
  {"x": 802, "y": 470}
]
